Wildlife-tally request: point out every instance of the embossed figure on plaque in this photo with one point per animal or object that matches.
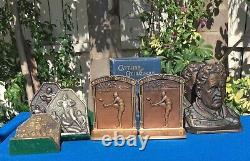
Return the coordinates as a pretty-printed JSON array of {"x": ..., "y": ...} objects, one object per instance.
[
  {"x": 39, "y": 134},
  {"x": 118, "y": 103},
  {"x": 114, "y": 99},
  {"x": 165, "y": 103},
  {"x": 161, "y": 99},
  {"x": 48, "y": 95},
  {"x": 208, "y": 114},
  {"x": 71, "y": 112},
  {"x": 43, "y": 97}
]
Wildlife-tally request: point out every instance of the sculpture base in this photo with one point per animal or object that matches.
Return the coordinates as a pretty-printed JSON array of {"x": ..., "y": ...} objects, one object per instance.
[
  {"x": 71, "y": 137},
  {"x": 97, "y": 134},
  {"x": 33, "y": 146},
  {"x": 163, "y": 133},
  {"x": 207, "y": 130}
]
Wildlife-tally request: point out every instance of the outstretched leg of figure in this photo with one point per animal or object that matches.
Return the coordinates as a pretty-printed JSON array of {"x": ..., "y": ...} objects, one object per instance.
[
  {"x": 167, "y": 112},
  {"x": 119, "y": 119},
  {"x": 120, "y": 113}
]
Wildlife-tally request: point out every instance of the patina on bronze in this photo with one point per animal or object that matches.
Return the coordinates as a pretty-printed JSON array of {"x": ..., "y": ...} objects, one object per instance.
[
  {"x": 114, "y": 99},
  {"x": 190, "y": 74},
  {"x": 71, "y": 112},
  {"x": 208, "y": 114},
  {"x": 43, "y": 97},
  {"x": 40, "y": 134},
  {"x": 161, "y": 100}
]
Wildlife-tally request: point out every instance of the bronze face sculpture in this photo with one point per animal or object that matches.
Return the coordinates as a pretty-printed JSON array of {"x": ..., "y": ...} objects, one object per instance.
[{"x": 208, "y": 113}]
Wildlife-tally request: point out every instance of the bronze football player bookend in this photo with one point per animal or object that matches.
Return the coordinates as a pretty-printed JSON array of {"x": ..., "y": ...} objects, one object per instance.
[
  {"x": 208, "y": 114},
  {"x": 161, "y": 107},
  {"x": 72, "y": 114},
  {"x": 68, "y": 106},
  {"x": 118, "y": 103},
  {"x": 114, "y": 100},
  {"x": 165, "y": 102}
]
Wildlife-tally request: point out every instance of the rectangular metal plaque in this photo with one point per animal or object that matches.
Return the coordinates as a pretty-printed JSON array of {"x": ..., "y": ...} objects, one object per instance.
[
  {"x": 161, "y": 98},
  {"x": 114, "y": 99}
]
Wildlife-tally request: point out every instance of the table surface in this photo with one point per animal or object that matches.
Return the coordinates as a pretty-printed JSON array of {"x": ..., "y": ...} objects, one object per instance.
[
  {"x": 202, "y": 147},
  {"x": 12, "y": 125}
]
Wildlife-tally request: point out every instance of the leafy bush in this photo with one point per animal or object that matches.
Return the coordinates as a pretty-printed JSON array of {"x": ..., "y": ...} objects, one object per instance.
[
  {"x": 6, "y": 113},
  {"x": 8, "y": 52},
  {"x": 238, "y": 94},
  {"x": 53, "y": 64},
  {"x": 171, "y": 33},
  {"x": 15, "y": 93},
  {"x": 16, "y": 100},
  {"x": 10, "y": 70}
]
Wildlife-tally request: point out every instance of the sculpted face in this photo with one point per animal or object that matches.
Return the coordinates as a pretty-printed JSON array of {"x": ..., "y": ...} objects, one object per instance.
[
  {"x": 49, "y": 90},
  {"x": 65, "y": 97},
  {"x": 115, "y": 94},
  {"x": 211, "y": 92}
]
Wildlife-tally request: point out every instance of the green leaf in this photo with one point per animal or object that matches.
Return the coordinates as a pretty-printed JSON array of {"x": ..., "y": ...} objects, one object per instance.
[
  {"x": 168, "y": 67},
  {"x": 180, "y": 65},
  {"x": 239, "y": 95}
]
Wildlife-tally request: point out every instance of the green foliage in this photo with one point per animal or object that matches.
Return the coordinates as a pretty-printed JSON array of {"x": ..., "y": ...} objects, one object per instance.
[
  {"x": 40, "y": 31},
  {"x": 10, "y": 69},
  {"x": 238, "y": 94},
  {"x": 172, "y": 33},
  {"x": 15, "y": 93},
  {"x": 8, "y": 64},
  {"x": 53, "y": 63},
  {"x": 62, "y": 59},
  {"x": 7, "y": 48},
  {"x": 16, "y": 100},
  {"x": 6, "y": 19},
  {"x": 53, "y": 55},
  {"x": 5, "y": 114}
]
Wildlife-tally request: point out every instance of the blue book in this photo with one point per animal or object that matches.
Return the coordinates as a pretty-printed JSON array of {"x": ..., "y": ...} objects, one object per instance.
[{"x": 135, "y": 67}]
